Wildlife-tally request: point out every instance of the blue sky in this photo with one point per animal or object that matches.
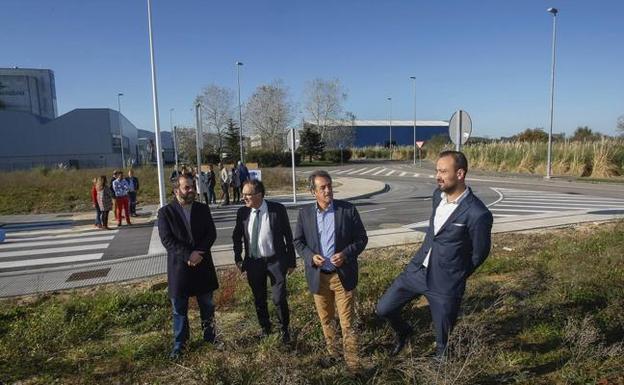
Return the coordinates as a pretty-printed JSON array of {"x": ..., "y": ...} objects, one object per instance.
[{"x": 490, "y": 58}]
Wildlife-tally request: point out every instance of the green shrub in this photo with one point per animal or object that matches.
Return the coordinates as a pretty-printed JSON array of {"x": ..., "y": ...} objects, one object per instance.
[{"x": 333, "y": 155}]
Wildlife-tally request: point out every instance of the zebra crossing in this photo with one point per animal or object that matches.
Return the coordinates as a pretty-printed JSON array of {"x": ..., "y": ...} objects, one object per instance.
[
  {"x": 380, "y": 171},
  {"x": 53, "y": 246},
  {"x": 514, "y": 202}
]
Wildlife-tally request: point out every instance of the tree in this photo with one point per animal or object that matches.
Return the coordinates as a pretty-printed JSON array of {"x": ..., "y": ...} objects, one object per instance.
[
  {"x": 232, "y": 139},
  {"x": 620, "y": 124},
  {"x": 268, "y": 114},
  {"x": 585, "y": 134},
  {"x": 323, "y": 101},
  {"x": 532, "y": 135},
  {"x": 187, "y": 147},
  {"x": 310, "y": 143},
  {"x": 217, "y": 109}
]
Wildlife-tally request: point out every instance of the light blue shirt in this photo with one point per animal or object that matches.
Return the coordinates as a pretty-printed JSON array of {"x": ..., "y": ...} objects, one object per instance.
[{"x": 327, "y": 235}]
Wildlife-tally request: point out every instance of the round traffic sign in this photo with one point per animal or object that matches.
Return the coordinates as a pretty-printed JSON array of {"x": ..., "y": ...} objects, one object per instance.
[{"x": 460, "y": 127}]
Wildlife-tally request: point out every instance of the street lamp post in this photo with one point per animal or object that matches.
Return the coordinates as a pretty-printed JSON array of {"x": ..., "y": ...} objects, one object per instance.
[
  {"x": 159, "y": 159},
  {"x": 175, "y": 139},
  {"x": 198, "y": 145},
  {"x": 414, "y": 142},
  {"x": 121, "y": 141},
  {"x": 553, "y": 12},
  {"x": 390, "y": 125},
  {"x": 240, "y": 111}
]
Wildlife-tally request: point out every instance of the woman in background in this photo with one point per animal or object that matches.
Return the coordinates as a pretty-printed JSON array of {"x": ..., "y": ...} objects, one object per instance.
[
  {"x": 104, "y": 200},
  {"x": 96, "y": 206}
]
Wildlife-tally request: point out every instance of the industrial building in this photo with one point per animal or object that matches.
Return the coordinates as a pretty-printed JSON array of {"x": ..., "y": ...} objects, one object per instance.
[{"x": 33, "y": 135}]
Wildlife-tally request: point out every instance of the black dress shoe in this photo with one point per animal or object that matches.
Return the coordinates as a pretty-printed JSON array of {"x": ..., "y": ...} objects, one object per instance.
[
  {"x": 400, "y": 342},
  {"x": 285, "y": 337}
]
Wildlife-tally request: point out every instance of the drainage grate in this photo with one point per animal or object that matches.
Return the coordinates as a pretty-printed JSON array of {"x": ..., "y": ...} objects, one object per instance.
[{"x": 90, "y": 274}]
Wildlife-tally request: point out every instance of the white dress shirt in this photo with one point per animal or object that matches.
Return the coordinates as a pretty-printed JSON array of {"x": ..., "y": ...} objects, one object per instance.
[
  {"x": 443, "y": 212},
  {"x": 265, "y": 238}
]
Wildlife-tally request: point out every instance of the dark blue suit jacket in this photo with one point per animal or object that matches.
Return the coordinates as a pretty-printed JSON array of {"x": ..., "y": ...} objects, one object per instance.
[
  {"x": 280, "y": 229},
  {"x": 461, "y": 245},
  {"x": 350, "y": 238}
]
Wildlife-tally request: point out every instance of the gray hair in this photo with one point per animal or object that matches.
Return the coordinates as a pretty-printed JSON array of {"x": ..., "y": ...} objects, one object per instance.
[{"x": 314, "y": 175}]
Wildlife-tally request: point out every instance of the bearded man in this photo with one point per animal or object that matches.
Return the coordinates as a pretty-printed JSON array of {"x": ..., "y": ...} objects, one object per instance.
[{"x": 187, "y": 231}]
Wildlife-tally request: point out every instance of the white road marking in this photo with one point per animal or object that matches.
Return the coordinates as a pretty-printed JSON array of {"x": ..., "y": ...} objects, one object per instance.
[
  {"x": 369, "y": 171},
  {"x": 402, "y": 173},
  {"x": 22, "y": 244},
  {"x": 47, "y": 261},
  {"x": 51, "y": 250},
  {"x": 370, "y": 211},
  {"x": 380, "y": 171},
  {"x": 390, "y": 173},
  {"x": 13, "y": 239}
]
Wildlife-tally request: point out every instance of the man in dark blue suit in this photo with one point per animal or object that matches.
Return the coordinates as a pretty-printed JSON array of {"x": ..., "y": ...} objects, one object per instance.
[
  {"x": 330, "y": 236},
  {"x": 263, "y": 228},
  {"x": 457, "y": 242},
  {"x": 187, "y": 231}
]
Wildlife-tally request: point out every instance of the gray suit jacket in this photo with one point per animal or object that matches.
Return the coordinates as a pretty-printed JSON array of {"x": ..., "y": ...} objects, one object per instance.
[
  {"x": 461, "y": 245},
  {"x": 350, "y": 238}
]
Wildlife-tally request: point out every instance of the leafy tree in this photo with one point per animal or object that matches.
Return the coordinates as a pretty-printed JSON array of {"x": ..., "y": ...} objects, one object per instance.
[
  {"x": 585, "y": 134},
  {"x": 311, "y": 143},
  {"x": 232, "y": 139},
  {"x": 532, "y": 135}
]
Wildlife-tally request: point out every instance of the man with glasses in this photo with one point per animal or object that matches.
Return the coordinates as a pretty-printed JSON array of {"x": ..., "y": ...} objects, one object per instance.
[
  {"x": 264, "y": 229},
  {"x": 187, "y": 231},
  {"x": 330, "y": 236}
]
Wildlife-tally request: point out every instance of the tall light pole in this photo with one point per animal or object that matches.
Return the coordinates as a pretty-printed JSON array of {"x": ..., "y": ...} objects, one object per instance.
[
  {"x": 552, "y": 11},
  {"x": 240, "y": 111},
  {"x": 198, "y": 145},
  {"x": 159, "y": 159},
  {"x": 390, "y": 125},
  {"x": 414, "y": 142},
  {"x": 175, "y": 139},
  {"x": 121, "y": 141}
]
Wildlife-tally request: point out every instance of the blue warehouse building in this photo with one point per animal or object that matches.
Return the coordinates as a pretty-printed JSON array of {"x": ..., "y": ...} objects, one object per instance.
[{"x": 377, "y": 132}]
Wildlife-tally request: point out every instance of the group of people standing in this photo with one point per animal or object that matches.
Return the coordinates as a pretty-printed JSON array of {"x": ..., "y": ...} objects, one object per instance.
[
  {"x": 119, "y": 195},
  {"x": 329, "y": 236},
  {"x": 231, "y": 180}
]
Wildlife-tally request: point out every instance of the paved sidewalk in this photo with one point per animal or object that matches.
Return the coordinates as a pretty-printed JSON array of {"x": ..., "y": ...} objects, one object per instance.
[{"x": 133, "y": 268}]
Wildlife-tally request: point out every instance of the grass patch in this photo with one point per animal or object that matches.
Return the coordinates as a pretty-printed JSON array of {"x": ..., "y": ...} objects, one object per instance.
[{"x": 546, "y": 308}]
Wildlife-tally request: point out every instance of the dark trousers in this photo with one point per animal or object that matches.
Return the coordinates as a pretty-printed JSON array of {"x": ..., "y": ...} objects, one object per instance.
[
  {"x": 212, "y": 197},
  {"x": 181, "y": 330},
  {"x": 132, "y": 195},
  {"x": 408, "y": 285},
  {"x": 205, "y": 194},
  {"x": 258, "y": 270},
  {"x": 225, "y": 194},
  {"x": 104, "y": 218},
  {"x": 236, "y": 194}
]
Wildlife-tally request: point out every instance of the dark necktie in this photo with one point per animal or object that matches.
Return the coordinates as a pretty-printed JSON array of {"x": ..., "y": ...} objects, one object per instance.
[{"x": 255, "y": 235}]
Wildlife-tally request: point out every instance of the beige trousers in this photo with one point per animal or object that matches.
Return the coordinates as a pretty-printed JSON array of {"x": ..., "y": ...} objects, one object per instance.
[{"x": 332, "y": 296}]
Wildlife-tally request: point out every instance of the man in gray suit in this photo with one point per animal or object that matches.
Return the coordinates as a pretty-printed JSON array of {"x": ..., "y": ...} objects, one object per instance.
[
  {"x": 457, "y": 242},
  {"x": 330, "y": 236}
]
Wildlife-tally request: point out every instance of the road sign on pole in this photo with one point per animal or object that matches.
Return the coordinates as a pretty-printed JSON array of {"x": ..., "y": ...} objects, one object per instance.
[
  {"x": 460, "y": 128},
  {"x": 293, "y": 144},
  {"x": 420, "y": 143}
]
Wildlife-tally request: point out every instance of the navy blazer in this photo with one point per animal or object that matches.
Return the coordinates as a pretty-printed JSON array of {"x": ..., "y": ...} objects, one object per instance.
[
  {"x": 350, "y": 238},
  {"x": 280, "y": 229},
  {"x": 183, "y": 280},
  {"x": 461, "y": 245}
]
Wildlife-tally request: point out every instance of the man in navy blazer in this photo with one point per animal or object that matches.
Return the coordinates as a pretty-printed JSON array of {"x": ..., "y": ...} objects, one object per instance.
[
  {"x": 187, "y": 231},
  {"x": 263, "y": 227},
  {"x": 330, "y": 236},
  {"x": 457, "y": 242}
]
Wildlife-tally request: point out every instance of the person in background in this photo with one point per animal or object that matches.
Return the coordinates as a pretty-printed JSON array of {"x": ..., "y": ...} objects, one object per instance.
[
  {"x": 112, "y": 191},
  {"x": 120, "y": 185},
  {"x": 104, "y": 200},
  {"x": 236, "y": 186},
  {"x": 96, "y": 206},
  {"x": 211, "y": 181},
  {"x": 133, "y": 184},
  {"x": 225, "y": 183}
]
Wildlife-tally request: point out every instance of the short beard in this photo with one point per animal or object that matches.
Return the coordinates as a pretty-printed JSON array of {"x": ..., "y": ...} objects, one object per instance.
[{"x": 187, "y": 198}]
